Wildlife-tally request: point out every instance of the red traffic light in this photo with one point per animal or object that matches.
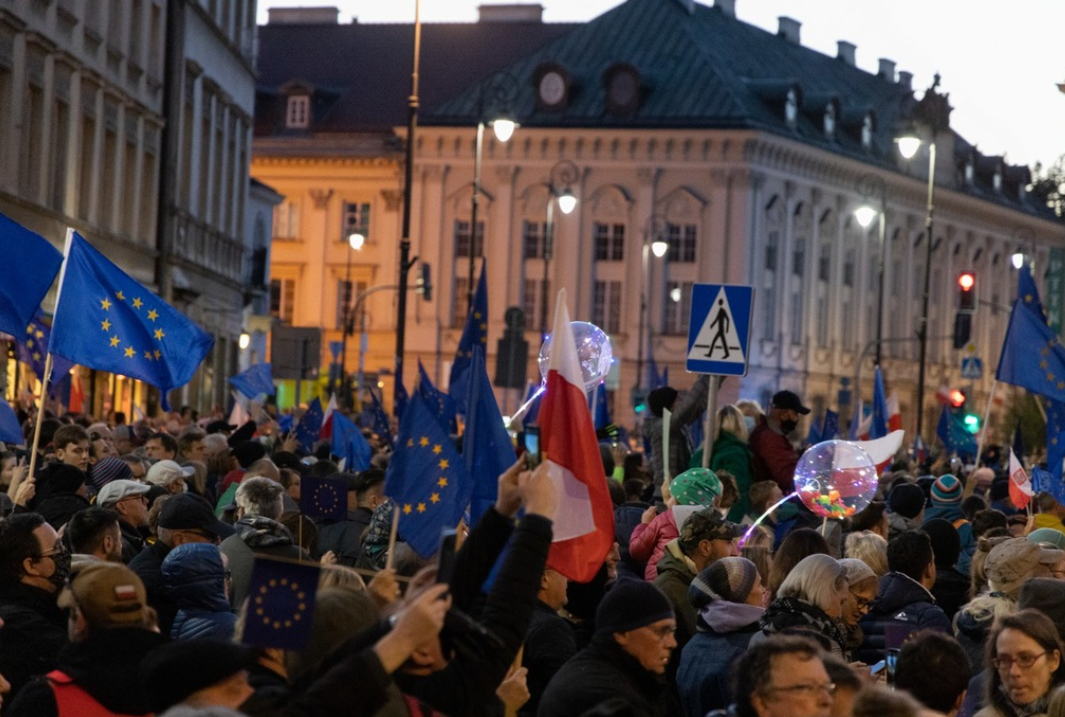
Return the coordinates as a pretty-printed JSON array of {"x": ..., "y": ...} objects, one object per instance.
[
  {"x": 957, "y": 398},
  {"x": 966, "y": 280}
]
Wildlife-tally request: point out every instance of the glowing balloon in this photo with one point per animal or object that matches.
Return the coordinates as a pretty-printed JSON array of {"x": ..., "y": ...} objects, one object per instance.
[
  {"x": 835, "y": 479},
  {"x": 593, "y": 350}
]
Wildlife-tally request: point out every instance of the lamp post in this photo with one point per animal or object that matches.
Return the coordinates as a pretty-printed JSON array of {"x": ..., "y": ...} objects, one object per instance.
[
  {"x": 933, "y": 111},
  {"x": 873, "y": 186},
  {"x": 653, "y": 243},
  {"x": 560, "y": 183},
  {"x": 499, "y": 89},
  {"x": 355, "y": 243}
]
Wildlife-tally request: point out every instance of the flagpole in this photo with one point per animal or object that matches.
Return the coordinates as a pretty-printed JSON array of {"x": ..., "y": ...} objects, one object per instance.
[
  {"x": 48, "y": 357},
  {"x": 987, "y": 414},
  {"x": 392, "y": 537}
]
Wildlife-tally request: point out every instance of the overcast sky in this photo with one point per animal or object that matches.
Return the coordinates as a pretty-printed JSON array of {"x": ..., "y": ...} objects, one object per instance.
[{"x": 1000, "y": 61}]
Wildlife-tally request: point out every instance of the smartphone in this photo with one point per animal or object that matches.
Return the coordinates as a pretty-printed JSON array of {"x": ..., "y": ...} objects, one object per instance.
[
  {"x": 892, "y": 662},
  {"x": 874, "y": 669},
  {"x": 533, "y": 456},
  {"x": 445, "y": 558}
]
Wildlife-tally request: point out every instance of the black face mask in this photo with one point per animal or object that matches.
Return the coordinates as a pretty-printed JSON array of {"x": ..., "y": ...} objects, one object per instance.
[
  {"x": 788, "y": 426},
  {"x": 62, "y": 569}
]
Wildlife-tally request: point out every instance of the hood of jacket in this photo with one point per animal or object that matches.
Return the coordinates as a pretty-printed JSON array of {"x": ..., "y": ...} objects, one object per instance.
[
  {"x": 195, "y": 577},
  {"x": 723, "y": 616},
  {"x": 949, "y": 512},
  {"x": 897, "y": 522},
  {"x": 674, "y": 561},
  {"x": 897, "y": 591},
  {"x": 105, "y": 665},
  {"x": 259, "y": 532}
]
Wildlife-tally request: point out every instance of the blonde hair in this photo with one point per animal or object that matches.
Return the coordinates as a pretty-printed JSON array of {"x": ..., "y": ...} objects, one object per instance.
[
  {"x": 868, "y": 547},
  {"x": 730, "y": 420},
  {"x": 817, "y": 579},
  {"x": 749, "y": 408},
  {"x": 340, "y": 576}
]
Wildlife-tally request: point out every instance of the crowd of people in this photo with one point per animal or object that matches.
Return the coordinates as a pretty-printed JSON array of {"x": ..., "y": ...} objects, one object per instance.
[{"x": 127, "y": 561}]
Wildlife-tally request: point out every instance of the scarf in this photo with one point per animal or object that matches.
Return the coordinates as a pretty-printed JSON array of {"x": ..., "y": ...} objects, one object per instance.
[
  {"x": 788, "y": 613},
  {"x": 1038, "y": 707}
]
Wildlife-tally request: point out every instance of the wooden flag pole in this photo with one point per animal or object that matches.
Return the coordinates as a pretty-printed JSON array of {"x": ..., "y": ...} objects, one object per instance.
[
  {"x": 392, "y": 537},
  {"x": 987, "y": 415}
]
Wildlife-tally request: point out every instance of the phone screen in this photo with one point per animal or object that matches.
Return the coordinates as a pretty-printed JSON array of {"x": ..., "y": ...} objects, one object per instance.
[
  {"x": 445, "y": 559},
  {"x": 532, "y": 447}
]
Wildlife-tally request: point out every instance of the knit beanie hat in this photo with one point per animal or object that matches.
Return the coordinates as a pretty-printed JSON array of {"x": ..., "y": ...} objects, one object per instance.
[
  {"x": 1000, "y": 489},
  {"x": 696, "y": 486},
  {"x": 946, "y": 543},
  {"x": 855, "y": 571},
  {"x": 107, "y": 470},
  {"x": 728, "y": 579},
  {"x": 1051, "y": 536},
  {"x": 946, "y": 490},
  {"x": 632, "y": 604},
  {"x": 907, "y": 500},
  {"x": 661, "y": 398}
]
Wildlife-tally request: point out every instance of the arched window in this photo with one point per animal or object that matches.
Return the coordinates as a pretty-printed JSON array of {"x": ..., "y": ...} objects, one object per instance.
[{"x": 774, "y": 226}]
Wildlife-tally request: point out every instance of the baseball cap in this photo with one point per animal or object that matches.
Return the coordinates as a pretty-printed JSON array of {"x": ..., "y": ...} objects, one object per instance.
[
  {"x": 790, "y": 401},
  {"x": 1012, "y": 561},
  {"x": 166, "y": 472},
  {"x": 188, "y": 511},
  {"x": 118, "y": 490},
  {"x": 707, "y": 524},
  {"x": 108, "y": 595}
]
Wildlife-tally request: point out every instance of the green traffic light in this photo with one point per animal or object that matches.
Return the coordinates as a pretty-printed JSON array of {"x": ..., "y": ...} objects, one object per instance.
[{"x": 972, "y": 423}]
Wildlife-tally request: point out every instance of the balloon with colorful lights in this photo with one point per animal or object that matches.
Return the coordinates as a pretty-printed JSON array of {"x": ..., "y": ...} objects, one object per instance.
[
  {"x": 594, "y": 352},
  {"x": 835, "y": 479}
]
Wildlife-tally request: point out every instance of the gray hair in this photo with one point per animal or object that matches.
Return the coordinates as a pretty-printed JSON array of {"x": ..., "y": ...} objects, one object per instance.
[
  {"x": 817, "y": 579},
  {"x": 259, "y": 496}
]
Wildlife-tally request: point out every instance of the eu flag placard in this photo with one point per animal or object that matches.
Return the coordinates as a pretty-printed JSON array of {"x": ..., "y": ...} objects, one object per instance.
[
  {"x": 281, "y": 599},
  {"x": 26, "y": 283},
  {"x": 105, "y": 319},
  {"x": 323, "y": 498},
  {"x": 427, "y": 478}
]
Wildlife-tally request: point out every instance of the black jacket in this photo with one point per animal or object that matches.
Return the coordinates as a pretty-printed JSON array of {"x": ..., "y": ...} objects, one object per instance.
[
  {"x": 132, "y": 541},
  {"x": 548, "y": 645},
  {"x": 148, "y": 566},
  {"x": 601, "y": 672},
  {"x": 951, "y": 590},
  {"x": 626, "y": 517},
  {"x": 105, "y": 665},
  {"x": 57, "y": 508},
  {"x": 466, "y": 687},
  {"x": 344, "y": 537},
  {"x": 902, "y": 601},
  {"x": 34, "y": 631}
]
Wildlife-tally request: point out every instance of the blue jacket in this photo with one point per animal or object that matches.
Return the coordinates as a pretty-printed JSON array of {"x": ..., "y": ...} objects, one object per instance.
[
  {"x": 725, "y": 630},
  {"x": 626, "y": 517},
  {"x": 195, "y": 580},
  {"x": 901, "y": 601}
]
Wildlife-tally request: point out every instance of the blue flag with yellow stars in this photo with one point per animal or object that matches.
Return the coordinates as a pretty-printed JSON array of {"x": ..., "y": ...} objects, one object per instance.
[
  {"x": 254, "y": 381},
  {"x": 380, "y": 420},
  {"x": 106, "y": 320},
  {"x": 32, "y": 347},
  {"x": 474, "y": 334},
  {"x": 323, "y": 498},
  {"x": 486, "y": 445},
  {"x": 442, "y": 404},
  {"x": 427, "y": 478},
  {"x": 10, "y": 430},
  {"x": 281, "y": 599},
  {"x": 24, "y": 286},
  {"x": 1032, "y": 357},
  {"x": 349, "y": 444},
  {"x": 402, "y": 398},
  {"x": 1055, "y": 411},
  {"x": 310, "y": 425}
]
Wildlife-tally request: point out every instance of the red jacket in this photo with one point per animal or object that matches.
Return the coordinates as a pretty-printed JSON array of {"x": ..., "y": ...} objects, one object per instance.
[{"x": 772, "y": 456}]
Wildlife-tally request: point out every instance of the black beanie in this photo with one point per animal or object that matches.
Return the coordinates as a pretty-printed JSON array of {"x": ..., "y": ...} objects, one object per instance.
[
  {"x": 1000, "y": 489},
  {"x": 1047, "y": 595},
  {"x": 632, "y": 604},
  {"x": 946, "y": 543},
  {"x": 661, "y": 398},
  {"x": 170, "y": 674},
  {"x": 907, "y": 500}
]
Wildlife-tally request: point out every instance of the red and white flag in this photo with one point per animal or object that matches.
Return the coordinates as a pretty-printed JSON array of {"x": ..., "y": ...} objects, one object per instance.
[
  {"x": 1020, "y": 487},
  {"x": 894, "y": 421},
  {"x": 584, "y": 525},
  {"x": 327, "y": 419}
]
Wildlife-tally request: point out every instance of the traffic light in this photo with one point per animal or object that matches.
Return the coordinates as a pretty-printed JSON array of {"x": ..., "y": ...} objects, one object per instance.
[
  {"x": 972, "y": 423},
  {"x": 967, "y": 291},
  {"x": 956, "y": 397},
  {"x": 424, "y": 286},
  {"x": 639, "y": 399},
  {"x": 963, "y": 329}
]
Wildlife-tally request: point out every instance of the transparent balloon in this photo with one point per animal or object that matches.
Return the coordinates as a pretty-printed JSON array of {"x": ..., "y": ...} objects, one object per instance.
[
  {"x": 593, "y": 351},
  {"x": 835, "y": 479}
]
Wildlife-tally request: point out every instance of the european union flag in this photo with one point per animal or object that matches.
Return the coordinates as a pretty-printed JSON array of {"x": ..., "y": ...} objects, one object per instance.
[
  {"x": 879, "y": 427},
  {"x": 380, "y": 420},
  {"x": 349, "y": 444},
  {"x": 951, "y": 430},
  {"x": 830, "y": 427},
  {"x": 486, "y": 446},
  {"x": 813, "y": 436},
  {"x": 281, "y": 599},
  {"x": 1044, "y": 481},
  {"x": 32, "y": 348},
  {"x": 427, "y": 478},
  {"x": 10, "y": 430},
  {"x": 402, "y": 398},
  {"x": 1028, "y": 293},
  {"x": 1055, "y": 411},
  {"x": 323, "y": 498},
  {"x": 443, "y": 405},
  {"x": 474, "y": 334},
  {"x": 1032, "y": 357},
  {"x": 256, "y": 380},
  {"x": 601, "y": 410},
  {"x": 310, "y": 425},
  {"x": 106, "y": 320},
  {"x": 24, "y": 286}
]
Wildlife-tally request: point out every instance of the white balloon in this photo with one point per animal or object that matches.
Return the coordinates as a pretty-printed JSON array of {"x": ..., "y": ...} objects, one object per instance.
[{"x": 594, "y": 352}]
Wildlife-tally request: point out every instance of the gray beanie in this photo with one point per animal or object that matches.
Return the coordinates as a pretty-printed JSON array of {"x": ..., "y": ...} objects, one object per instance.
[{"x": 728, "y": 579}]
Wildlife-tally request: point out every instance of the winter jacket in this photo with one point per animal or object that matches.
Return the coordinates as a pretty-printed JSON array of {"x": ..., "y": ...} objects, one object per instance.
[
  {"x": 971, "y": 628},
  {"x": 951, "y": 590},
  {"x": 344, "y": 537},
  {"x": 951, "y": 512},
  {"x": 648, "y": 541},
  {"x": 256, "y": 535},
  {"x": 686, "y": 410},
  {"x": 58, "y": 508},
  {"x": 903, "y": 601},
  {"x": 675, "y": 576},
  {"x": 772, "y": 456},
  {"x": 604, "y": 671},
  {"x": 789, "y": 614},
  {"x": 548, "y": 645},
  {"x": 132, "y": 541},
  {"x": 105, "y": 665},
  {"x": 725, "y": 631},
  {"x": 148, "y": 566},
  {"x": 34, "y": 631},
  {"x": 195, "y": 580},
  {"x": 626, "y": 517},
  {"x": 898, "y": 524},
  {"x": 733, "y": 455}
]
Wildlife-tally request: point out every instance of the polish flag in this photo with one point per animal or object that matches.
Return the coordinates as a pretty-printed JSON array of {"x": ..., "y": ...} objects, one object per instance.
[
  {"x": 883, "y": 450},
  {"x": 327, "y": 419},
  {"x": 1020, "y": 487},
  {"x": 584, "y": 525},
  {"x": 894, "y": 415}
]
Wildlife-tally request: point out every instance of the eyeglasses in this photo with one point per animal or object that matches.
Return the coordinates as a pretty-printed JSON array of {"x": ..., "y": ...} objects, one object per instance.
[
  {"x": 57, "y": 550},
  {"x": 861, "y": 602},
  {"x": 663, "y": 633},
  {"x": 808, "y": 689},
  {"x": 1023, "y": 660}
]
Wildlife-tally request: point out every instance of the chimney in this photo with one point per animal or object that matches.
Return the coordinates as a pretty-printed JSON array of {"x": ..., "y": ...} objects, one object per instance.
[
  {"x": 303, "y": 16},
  {"x": 789, "y": 29},
  {"x": 887, "y": 69},
  {"x": 726, "y": 7},
  {"x": 845, "y": 51},
  {"x": 511, "y": 13},
  {"x": 906, "y": 80}
]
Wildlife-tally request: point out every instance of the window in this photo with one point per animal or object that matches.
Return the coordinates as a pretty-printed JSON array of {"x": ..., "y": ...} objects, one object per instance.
[
  {"x": 609, "y": 241},
  {"x": 830, "y": 120},
  {"x": 299, "y": 110},
  {"x": 356, "y": 220},
  {"x": 678, "y": 308},
  {"x": 867, "y": 132},
  {"x": 606, "y": 306},
  {"x": 346, "y": 301},
  {"x": 460, "y": 302},
  {"x": 287, "y": 220},
  {"x": 681, "y": 238},
  {"x": 796, "y": 298},
  {"x": 532, "y": 238},
  {"x": 532, "y": 303},
  {"x": 462, "y": 239},
  {"x": 791, "y": 108},
  {"x": 283, "y": 299}
]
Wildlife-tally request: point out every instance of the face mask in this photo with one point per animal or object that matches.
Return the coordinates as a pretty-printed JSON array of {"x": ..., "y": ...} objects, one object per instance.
[
  {"x": 749, "y": 420},
  {"x": 788, "y": 426},
  {"x": 62, "y": 569}
]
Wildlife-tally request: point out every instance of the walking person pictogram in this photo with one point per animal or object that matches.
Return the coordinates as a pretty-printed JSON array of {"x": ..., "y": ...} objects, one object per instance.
[{"x": 721, "y": 321}]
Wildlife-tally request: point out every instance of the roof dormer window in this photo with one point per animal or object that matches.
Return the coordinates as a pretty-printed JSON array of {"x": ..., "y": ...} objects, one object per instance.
[
  {"x": 867, "y": 132},
  {"x": 996, "y": 181},
  {"x": 970, "y": 172},
  {"x": 791, "y": 108},
  {"x": 298, "y": 113},
  {"x": 830, "y": 120}
]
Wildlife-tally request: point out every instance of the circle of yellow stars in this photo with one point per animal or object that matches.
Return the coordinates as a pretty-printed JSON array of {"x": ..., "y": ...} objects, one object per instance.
[
  {"x": 32, "y": 343},
  {"x": 483, "y": 325},
  {"x": 331, "y": 491},
  {"x": 276, "y": 621},
  {"x": 443, "y": 464},
  {"x": 116, "y": 342}
]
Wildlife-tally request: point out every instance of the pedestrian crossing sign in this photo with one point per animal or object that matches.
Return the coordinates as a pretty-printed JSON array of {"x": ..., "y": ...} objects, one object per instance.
[{"x": 719, "y": 331}]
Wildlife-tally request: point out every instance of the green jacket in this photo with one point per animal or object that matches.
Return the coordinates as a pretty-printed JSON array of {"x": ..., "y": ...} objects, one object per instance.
[
  {"x": 733, "y": 455},
  {"x": 674, "y": 579}
]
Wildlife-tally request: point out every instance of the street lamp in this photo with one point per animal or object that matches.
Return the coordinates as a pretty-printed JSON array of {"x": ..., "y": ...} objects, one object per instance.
[
  {"x": 562, "y": 177},
  {"x": 653, "y": 243},
  {"x": 495, "y": 95},
  {"x": 873, "y": 186},
  {"x": 356, "y": 242},
  {"x": 932, "y": 111}
]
